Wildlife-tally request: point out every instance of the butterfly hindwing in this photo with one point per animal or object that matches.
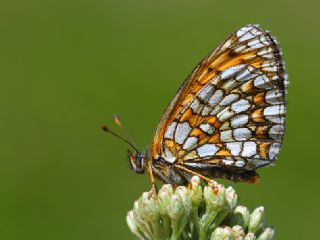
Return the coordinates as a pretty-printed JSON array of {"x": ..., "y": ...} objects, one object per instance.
[{"x": 230, "y": 112}]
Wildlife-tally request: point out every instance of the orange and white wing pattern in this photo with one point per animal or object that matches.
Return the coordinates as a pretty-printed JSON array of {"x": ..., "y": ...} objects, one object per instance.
[{"x": 230, "y": 112}]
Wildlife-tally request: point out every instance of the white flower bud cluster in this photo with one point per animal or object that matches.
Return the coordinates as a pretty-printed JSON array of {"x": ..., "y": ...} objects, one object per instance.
[{"x": 196, "y": 212}]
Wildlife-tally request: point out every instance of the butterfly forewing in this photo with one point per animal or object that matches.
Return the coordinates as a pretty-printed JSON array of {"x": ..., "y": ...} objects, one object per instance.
[{"x": 230, "y": 112}]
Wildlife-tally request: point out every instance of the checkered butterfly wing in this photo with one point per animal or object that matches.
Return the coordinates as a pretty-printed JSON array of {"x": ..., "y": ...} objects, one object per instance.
[{"x": 230, "y": 112}]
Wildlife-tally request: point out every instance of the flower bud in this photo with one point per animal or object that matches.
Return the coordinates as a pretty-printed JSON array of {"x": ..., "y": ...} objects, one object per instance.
[
  {"x": 175, "y": 207},
  {"x": 256, "y": 220},
  {"x": 149, "y": 206},
  {"x": 240, "y": 216},
  {"x": 215, "y": 197},
  {"x": 224, "y": 233},
  {"x": 231, "y": 198},
  {"x": 195, "y": 191},
  {"x": 250, "y": 236},
  {"x": 136, "y": 207},
  {"x": 133, "y": 225},
  {"x": 267, "y": 234},
  {"x": 186, "y": 202},
  {"x": 138, "y": 216},
  {"x": 164, "y": 196},
  {"x": 238, "y": 232}
]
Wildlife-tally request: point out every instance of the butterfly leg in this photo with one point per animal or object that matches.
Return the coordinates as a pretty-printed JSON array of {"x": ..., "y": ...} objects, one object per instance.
[
  {"x": 193, "y": 173},
  {"x": 153, "y": 185}
]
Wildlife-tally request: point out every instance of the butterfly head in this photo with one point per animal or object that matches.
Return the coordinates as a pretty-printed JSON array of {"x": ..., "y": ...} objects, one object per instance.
[{"x": 137, "y": 161}]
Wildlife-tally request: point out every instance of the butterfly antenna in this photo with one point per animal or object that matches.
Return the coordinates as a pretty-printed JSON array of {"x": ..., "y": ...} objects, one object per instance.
[
  {"x": 108, "y": 130},
  {"x": 126, "y": 132}
]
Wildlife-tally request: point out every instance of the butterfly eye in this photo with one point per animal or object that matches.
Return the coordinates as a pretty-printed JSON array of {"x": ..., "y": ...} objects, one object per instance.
[{"x": 136, "y": 161}]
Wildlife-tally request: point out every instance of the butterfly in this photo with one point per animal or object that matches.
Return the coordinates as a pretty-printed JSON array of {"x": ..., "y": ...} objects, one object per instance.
[{"x": 226, "y": 120}]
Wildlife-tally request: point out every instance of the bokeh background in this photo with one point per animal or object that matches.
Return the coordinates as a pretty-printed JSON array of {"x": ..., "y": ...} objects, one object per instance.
[{"x": 68, "y": 66}]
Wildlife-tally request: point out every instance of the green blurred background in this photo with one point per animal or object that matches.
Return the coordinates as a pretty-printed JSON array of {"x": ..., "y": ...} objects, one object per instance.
[{"x": 68, "y": 66}]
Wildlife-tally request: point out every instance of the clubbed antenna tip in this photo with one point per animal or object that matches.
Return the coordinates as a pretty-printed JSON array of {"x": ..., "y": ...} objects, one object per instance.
[
  {"x": 104, "y": 127},
  {"x": 117, "y": 120},
  {"x": 108, "y": 130}
]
